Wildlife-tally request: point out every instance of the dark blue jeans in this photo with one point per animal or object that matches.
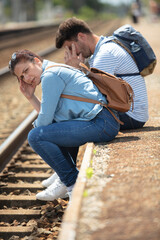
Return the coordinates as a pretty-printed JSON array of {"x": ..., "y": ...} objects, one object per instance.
[
  {"x": 73, "y": 151},
  {"x": 52, "y": 142},
  {"x": 129, "y": 123}
]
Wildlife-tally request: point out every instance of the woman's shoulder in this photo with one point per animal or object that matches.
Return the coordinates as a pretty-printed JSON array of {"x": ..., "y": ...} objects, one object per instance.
[{"x": 47, "y": 65}]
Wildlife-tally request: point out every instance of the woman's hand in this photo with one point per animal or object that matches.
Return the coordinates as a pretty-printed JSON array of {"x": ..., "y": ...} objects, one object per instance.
[
  {"x": 71, "y": 58},
  {"x": 27, "y": 89}
]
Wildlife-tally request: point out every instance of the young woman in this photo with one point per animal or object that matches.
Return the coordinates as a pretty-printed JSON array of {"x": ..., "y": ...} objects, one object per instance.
[{"x": 61, "y": 123}]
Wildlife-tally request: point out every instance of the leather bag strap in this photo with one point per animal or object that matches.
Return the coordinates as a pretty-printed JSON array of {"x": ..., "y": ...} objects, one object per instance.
[
  {"x": 60, "y": 65},
  {"x": 87, "y": 71},
  {"x": 91, "y": 101}
]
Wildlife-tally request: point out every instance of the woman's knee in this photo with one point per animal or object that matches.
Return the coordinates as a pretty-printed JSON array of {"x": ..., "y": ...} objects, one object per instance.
[{"x": 33, "y": 136}]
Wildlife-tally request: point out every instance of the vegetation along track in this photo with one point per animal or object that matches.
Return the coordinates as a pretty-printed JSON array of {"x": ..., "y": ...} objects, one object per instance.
[{"x": 20, "y": 213}]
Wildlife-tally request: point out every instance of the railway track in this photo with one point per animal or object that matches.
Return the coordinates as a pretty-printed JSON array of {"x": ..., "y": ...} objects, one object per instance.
[{"x": 21, "y": 214}]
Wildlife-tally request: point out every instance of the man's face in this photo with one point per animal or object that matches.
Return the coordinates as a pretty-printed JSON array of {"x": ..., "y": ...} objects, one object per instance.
[{"x": 81, "y": 46}]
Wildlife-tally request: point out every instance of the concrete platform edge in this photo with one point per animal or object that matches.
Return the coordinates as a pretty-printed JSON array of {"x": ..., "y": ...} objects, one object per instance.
[{"x": 70, "y": 219}]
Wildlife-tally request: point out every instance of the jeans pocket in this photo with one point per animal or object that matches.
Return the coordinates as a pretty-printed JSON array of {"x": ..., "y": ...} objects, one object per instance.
[{"x": 107, "y": 126}]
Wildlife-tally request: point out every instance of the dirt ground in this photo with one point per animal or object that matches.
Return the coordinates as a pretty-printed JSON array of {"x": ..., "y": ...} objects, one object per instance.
[{"x": 124, "y": 193}]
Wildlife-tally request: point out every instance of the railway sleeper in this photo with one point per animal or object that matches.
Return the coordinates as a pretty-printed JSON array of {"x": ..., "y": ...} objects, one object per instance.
[
  {"x": 34, "y": 157},
  {"x": 19, "y": 188},
  {"x": 19, "y": 201},
  {"x": 29, "y": 167},
  {"x": 8, "y": 232},
  {"x": 9, "y": 215},
  {"x": 35, "y": 221},
  {"x": 29, "y": 177}
]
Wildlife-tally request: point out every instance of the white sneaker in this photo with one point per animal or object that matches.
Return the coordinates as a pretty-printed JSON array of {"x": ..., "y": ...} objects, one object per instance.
[
  {"x": 69, "y": 195},
  {"x": 54, "y": 191},
  {"x": 47, "y": 182}
]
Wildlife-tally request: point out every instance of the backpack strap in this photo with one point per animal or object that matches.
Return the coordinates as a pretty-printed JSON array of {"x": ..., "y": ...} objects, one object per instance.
[
  {"x": 91, "y": 101},
  {"x": 115, "y": 40},
  {"x": 127, "y": 74}
]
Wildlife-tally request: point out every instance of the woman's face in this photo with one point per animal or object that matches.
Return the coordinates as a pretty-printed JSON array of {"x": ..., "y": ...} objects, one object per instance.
[{"x": 29, "y": 72}]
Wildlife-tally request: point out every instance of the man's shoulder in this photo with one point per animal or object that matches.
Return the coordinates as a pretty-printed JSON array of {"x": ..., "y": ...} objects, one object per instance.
[{"x": 111, "y": 48}]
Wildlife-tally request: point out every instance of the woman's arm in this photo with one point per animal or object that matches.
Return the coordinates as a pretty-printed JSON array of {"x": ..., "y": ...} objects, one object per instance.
[
  {"x": 36, "y": 103},
  {"x": 52, "y": 87}
]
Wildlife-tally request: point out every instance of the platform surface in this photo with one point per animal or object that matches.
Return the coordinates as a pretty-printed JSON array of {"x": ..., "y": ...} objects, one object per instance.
[{"x": 123, "y": 196}]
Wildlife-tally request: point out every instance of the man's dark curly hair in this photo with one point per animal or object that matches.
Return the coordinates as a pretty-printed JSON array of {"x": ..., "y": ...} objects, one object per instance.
[{"x": 69, "y": 29}]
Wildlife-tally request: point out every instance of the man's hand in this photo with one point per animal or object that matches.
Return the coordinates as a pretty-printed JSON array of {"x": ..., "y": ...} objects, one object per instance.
[{"x": 71, "y": 58}]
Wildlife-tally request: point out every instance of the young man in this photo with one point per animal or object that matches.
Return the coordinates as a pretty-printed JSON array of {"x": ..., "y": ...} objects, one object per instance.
[{"x": 81, "y": 44}]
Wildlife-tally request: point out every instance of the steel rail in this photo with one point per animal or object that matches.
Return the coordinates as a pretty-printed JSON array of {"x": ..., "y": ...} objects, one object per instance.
[
  {"x": 5, "y": 70},
  {"x": 47, "y": 51},
  {"x": 42, "y": 53},
  {"x": 28, "y": 27},
  {"x": 10, "y": 146}
]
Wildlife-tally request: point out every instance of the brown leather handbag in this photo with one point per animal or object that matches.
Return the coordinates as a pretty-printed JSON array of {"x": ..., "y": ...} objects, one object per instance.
[{"x": 118, "y": 92}]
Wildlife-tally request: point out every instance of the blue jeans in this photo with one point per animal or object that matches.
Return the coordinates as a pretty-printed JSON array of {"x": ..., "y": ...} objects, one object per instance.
[
  {"x": 129, "y": 123},
  {"x": 51, "y": 142},
  {"x": 73, "y": 151}
]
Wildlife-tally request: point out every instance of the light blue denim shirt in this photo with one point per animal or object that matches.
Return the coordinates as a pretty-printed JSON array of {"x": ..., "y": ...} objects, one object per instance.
[{"x": 61, "y": 80}]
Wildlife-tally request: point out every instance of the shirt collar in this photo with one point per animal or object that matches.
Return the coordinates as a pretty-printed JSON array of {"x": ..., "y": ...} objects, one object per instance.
[
  {"x": 98, "y": 45},
  {"x": 44, "y": 64}
]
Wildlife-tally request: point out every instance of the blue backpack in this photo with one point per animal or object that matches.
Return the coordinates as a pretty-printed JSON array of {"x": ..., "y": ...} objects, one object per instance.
[{"x": 137, "y": 46}]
